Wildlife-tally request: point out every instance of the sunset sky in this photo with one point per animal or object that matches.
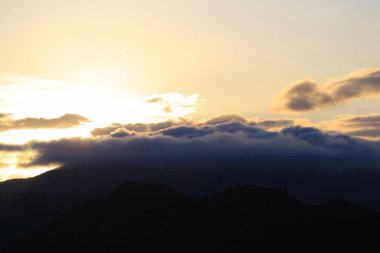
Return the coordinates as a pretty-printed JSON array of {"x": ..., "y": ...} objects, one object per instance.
[{"x": 69, "y": 67}]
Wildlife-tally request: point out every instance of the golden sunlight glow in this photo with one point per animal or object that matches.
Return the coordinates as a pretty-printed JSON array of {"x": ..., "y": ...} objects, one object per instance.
[
  {"x": 10, "y": 166},
  {"x": 12, "y": 172},
  {"x": 90, "y": 96},
  {"x": 98, "y": 94},
  {"x": 99, "y": 75},
  {"x": 25, "y": 135}
]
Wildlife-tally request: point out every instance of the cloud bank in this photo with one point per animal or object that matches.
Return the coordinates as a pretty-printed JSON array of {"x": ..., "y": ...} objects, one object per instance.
[
  {"x": 205, "y": 157},
  {"x": 308, "y": 95},
  {"x": 232, "y": 142}
]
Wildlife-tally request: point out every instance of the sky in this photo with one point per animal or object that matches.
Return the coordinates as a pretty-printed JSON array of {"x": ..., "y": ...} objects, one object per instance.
[{"x": 69, "y": 67}]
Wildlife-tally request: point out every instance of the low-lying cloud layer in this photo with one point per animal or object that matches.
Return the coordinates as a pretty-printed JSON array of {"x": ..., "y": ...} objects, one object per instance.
[
  {"x": 228, "y": 138},
  {"x": 363, "y": 126},
  {"x": 7, "y": 123},
  {"x": 308, "y": 95},
  {"x": 205, "y": 157}
]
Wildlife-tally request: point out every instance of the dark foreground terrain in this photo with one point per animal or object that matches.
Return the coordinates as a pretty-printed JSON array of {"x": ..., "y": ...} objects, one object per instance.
[
  {"x": 26, "y": 204},
  {"x": 155, "y": 218}
]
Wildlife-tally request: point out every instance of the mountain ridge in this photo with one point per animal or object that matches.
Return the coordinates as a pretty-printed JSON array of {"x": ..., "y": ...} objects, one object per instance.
[{"x": 155, "y": 218}]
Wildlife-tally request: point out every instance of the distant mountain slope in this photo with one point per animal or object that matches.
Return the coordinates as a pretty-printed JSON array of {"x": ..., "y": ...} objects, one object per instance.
[
  {"x": 27, "y": 203},
  {"x": 155, "y": 218}
]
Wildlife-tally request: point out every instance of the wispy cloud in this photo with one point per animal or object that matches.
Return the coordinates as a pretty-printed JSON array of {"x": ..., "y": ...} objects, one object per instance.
[
  {"x": 308, "y": 95},
  {"x": 363, "y": 126},
  {"x": 66, "y": 121},
  {"x": 175, "y": 103}
]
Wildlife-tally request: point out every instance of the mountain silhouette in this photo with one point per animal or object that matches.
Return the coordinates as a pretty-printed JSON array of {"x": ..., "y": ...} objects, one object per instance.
[
  {"x": 155, "y": 218},
  {"x": 25, "y": 204}
]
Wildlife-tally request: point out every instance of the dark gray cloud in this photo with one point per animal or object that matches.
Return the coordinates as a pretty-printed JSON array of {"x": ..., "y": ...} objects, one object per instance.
[
  {"x": 66, "y": 121},
  {"x": 231, "y": 127},
  {"x": 265, "y": 124},
  {"x": 226, "y": 118},
  {"x": 274, "y": 123},
  {"x": 10, "y": 147},
  {"x": 309, "y": 95},
  {"x": 229, "y": 139}
]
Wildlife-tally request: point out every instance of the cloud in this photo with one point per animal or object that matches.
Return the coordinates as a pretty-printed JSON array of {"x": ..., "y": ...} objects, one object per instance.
[
  {"x": 11, "y": 148},
  {"x": 213, "y": 125},
  {"x": 363, "y": 126},
  {"x": 222, "y": 128},
  {"x": 138, "y": 127},
  {"x": 175, "y": 103},
  {"x": 227, "y": 140},
  {"x": 226, "y": 118},
  {"x": 278, "y": 124},
  {"x": 308, "y": 95},
  {"x": 104, "y": 131},
  {"x": 66, "y": 121},
  {"x": 121, "y": 133},
  {"x": 200, "y": 158}
]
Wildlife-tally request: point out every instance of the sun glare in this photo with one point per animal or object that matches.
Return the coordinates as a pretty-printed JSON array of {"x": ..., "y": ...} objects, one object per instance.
[
  {"x": 12, "y": 172},
  {"x": 95, "y": 94},
  {"x": 101, "y": 95},
  {"x": 99, "y": 76}
]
